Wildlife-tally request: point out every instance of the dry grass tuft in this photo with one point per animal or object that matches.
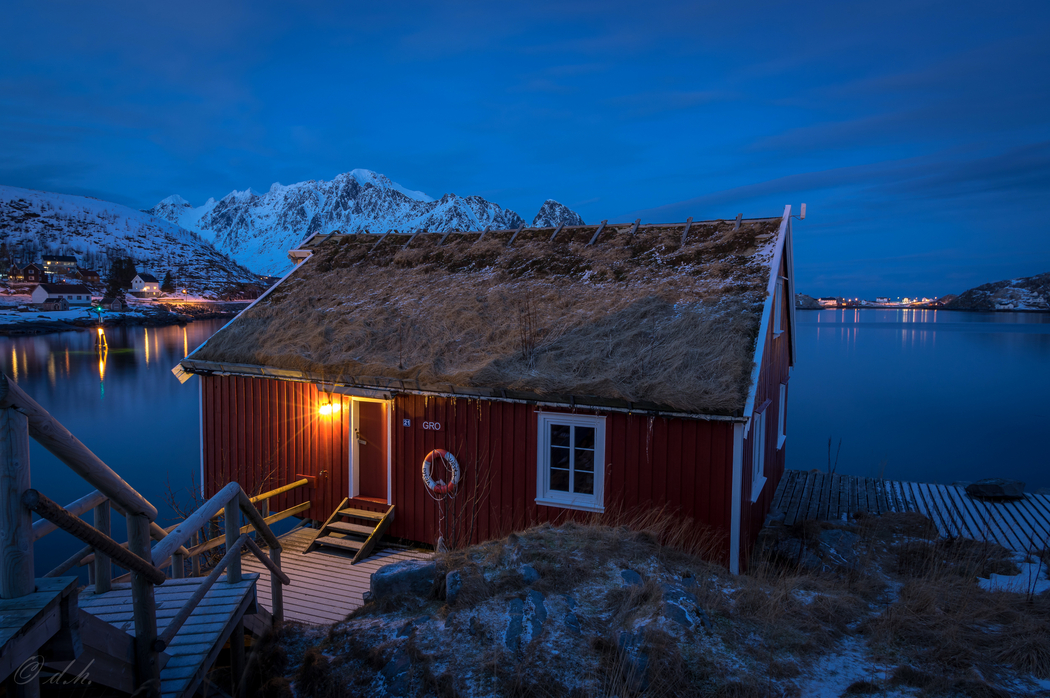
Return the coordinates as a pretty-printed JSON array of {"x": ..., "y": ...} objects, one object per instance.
[
  {"x": 455, "y": 315},
  {"x": 315, "y": 677}
]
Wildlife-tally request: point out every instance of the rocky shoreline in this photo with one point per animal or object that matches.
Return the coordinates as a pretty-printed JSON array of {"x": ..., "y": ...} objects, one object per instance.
[{"x": 159, "y": 315}]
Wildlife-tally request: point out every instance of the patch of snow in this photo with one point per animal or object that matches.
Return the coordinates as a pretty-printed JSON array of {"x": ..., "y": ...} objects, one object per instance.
[{"x": 1033, "y": 579}]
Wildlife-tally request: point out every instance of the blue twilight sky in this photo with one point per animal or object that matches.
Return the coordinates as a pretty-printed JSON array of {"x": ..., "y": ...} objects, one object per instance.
[{"x": 918, "y": 132}]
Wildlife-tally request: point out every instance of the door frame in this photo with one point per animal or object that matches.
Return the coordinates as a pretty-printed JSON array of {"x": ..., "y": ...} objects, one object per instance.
[{"x": 353, "y": 456}]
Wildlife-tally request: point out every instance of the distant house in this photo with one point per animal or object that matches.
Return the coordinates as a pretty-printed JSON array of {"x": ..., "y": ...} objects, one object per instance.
[
  {"x": 59, "y": 265},
  {"x": 33, "y": 273},
  {"x": 14, "y": 273},
  {"x": 882, "y": 299},
  {"x": 73, "y": 294},
  {"x": 145, "y": 285},
  {"x": 828, "y": 302},
  {"x": 88, "y": 276},
  {"x": 111, "y": 303},
  {"x": 55, "y": 304}
]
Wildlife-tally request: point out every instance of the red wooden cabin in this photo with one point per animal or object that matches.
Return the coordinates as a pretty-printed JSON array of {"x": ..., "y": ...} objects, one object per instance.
[{"x": 609, "y": 368}]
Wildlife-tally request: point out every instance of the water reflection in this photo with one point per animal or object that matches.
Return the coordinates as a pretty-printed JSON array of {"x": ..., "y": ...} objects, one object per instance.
[
  {"x": 115, "y": 391},
  {"x": 935, "y": 395}
]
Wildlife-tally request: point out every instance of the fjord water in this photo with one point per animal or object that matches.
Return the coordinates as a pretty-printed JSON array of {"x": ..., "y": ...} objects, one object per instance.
[
  {"x": 933, "y": 396},
  {"x": 922, "y": 395},
  {"x": 124, "y": 404}
]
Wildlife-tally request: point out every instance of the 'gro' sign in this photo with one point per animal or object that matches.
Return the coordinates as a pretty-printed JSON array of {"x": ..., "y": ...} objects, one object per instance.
[{"x": 432, "y": 426}]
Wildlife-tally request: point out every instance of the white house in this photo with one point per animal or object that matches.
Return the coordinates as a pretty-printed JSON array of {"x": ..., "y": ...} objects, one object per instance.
[
  {"x": 74, "y": 294},
  {"x": 145, "y": 285}
]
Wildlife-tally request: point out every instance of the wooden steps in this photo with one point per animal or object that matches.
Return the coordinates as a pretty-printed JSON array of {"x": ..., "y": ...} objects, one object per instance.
[
  {"x": 199, "y": 641},
  {"x": 359, "y": 538}
]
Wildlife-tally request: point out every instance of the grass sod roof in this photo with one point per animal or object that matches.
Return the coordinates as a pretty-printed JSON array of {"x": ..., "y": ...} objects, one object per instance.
[{"x": 635, "y": 317}]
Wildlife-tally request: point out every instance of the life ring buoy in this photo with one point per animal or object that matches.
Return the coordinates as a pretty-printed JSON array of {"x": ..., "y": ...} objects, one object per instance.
[{"x": 440, "y": 487}]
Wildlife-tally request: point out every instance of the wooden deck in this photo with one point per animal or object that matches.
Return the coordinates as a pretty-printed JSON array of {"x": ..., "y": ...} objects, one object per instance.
[
  {"x": 198, "y": 641},
  {"x": 1021, "y": 525},
  {"x": 325, "y": 586},
  {"x": 27, "y": 622}
]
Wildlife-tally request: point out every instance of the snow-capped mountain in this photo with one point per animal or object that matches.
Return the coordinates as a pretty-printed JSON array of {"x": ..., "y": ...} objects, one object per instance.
[
  {"x": 1028, "y": 293},
  {"x": 552, "y": 214},
  {"x": 258, "y": 229},
  {"x": 34, "y": 223}
]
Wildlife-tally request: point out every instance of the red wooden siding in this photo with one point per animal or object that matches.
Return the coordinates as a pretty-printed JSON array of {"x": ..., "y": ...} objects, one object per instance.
[
  {"x": 262, "y": 432},
  {"x": 773, "y": 372}
]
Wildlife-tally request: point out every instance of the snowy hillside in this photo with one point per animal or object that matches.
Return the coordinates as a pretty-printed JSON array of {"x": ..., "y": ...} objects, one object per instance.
[
  {"x": 1029, "y": 293},
  {"x": 258, "y": 229},
  {"x": 34, "y": 223}
]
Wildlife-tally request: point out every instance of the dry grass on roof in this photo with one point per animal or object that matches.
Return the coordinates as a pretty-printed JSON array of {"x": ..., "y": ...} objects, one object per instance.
[{"x": 634, "y": 318}]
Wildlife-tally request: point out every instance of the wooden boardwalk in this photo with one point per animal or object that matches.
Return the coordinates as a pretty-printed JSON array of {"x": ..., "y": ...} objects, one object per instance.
[
  {"x": 1021, "y": 525},
  {"x": 199, "y": 640},
  {"x": 325, "y": 586}
]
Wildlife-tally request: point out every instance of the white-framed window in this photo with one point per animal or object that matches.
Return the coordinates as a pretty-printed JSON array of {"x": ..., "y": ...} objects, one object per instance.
[
  {"x": 570, "y": 468},
  {"x": 758, "y": 454},
  {"x": 778, "y": 309},
  {"x": 782, "y": 416}
]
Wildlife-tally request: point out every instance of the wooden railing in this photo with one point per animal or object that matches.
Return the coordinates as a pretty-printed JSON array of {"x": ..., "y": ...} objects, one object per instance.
[
  {"x": 60, "y": 518},
  {"x": 20, "y": 418}
]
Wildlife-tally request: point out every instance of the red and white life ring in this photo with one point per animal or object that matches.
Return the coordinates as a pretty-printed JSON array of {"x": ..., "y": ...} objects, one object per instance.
[{"x": 440, "y": 487}]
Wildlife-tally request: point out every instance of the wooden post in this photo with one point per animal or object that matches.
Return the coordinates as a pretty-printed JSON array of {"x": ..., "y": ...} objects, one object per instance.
[
  {"x": 147, "y": 674},
  {"x": 178, "y": 566},
  {"x": 276, "y": 588},
  {"x": 233, "y": 532},
  {"x": 103, "y": 564},
  {"x": 233, "y": 575},
  {"x": 16, "y": 522},
  {"x": 196, "y": 558}
]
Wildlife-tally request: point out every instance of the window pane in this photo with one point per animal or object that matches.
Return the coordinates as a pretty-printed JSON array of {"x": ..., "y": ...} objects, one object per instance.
[
  {"x": 560, "y": 480},
  {"x": 559, "y": 457},
  {"x": 559, "y": 434},
  {"x": 583, "y": 483},
  {"x": 584, "y": 437},
  {"x": 585, "y": 460}
]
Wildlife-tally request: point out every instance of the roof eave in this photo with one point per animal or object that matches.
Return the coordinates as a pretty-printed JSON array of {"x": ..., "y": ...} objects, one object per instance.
[
  {"x": 767, "y": 313},
  {"x": 397, "y": 385}
]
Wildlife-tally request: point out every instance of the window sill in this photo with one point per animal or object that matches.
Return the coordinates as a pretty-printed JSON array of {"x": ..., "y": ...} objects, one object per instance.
[
  {"x": 756, "y": 489},
  {"x": 780, "y": 442},
  {"x": 568, "y": 503}
]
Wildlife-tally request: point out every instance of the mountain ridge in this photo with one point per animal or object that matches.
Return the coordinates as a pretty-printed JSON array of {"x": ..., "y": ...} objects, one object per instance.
[
  {"x": 257, "y": 229},
  {"x": 1024, "y": 293}
]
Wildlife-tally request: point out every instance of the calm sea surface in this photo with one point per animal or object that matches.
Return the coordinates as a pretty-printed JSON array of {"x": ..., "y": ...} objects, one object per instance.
[
  {"x": 922, "y": 395},
  {"x": 932, "y": 396},
  {"x": 125, "y": 405}
]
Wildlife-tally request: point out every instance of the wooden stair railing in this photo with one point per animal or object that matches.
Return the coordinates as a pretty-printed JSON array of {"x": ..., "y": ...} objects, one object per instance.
[
  {"x": 34, "y": 501},
  {"x": 49, "y": 433},
  {"x": 20, "y": 418},
  {"x": 233, "y": 551}
]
